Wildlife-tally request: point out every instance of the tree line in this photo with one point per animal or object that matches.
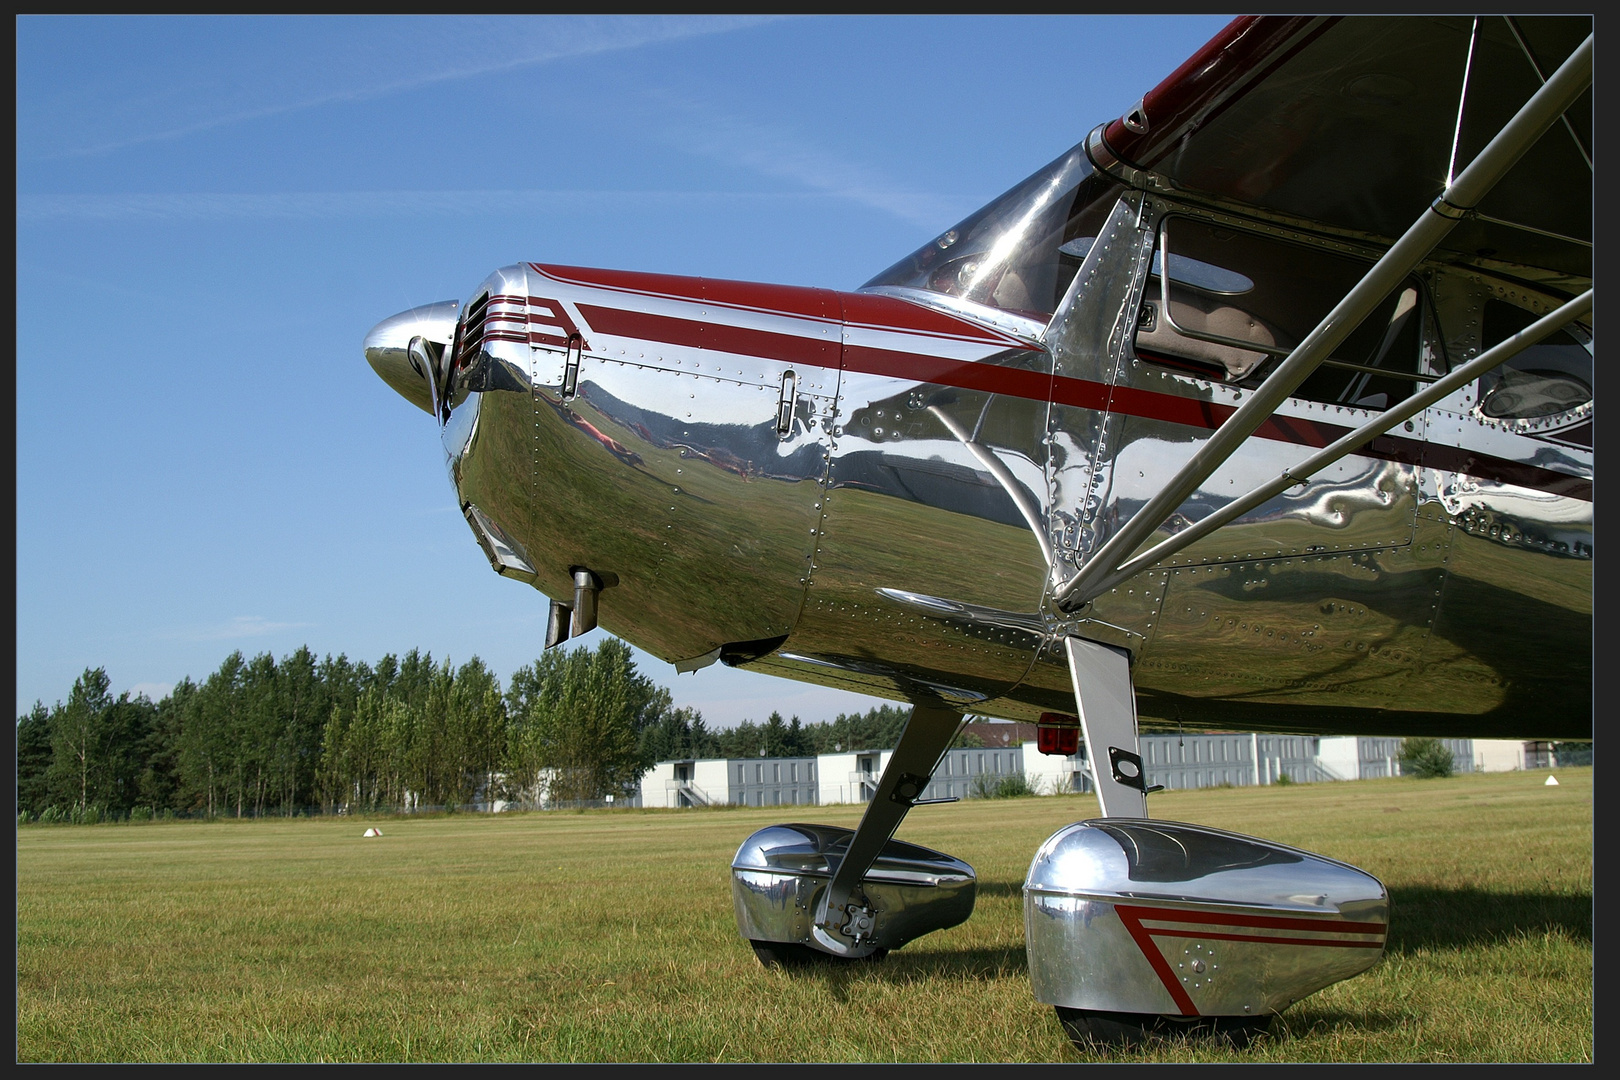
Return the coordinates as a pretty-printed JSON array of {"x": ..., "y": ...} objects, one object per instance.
[{"x": 260, "y": 737}]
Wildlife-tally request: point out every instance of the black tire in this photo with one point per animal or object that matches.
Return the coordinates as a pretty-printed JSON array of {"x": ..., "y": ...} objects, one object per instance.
[
  {"x": 1090, "y": 1029},
  {"x": 789, "y": 955}
]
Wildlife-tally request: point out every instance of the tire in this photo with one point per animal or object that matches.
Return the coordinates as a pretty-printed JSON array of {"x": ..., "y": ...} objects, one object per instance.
[
  {"x": 789, "y": 955},
  {"x": 1090, "y": 1029}
]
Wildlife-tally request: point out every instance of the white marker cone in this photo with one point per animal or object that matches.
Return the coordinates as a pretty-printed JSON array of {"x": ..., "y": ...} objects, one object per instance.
[
  {"x": 373, "y": 832},
  {"x": 1552, "y": 781}
]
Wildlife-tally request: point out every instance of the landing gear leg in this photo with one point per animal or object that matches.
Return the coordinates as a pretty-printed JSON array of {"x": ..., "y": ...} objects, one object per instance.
[
  {"x": 844, "y": 920},
  {"x": 1107, "y": 704},
  {"x": 822, "y": 894}
]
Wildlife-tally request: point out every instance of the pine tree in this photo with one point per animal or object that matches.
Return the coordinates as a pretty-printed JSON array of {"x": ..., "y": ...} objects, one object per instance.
[{"x": 33, "y": 759}]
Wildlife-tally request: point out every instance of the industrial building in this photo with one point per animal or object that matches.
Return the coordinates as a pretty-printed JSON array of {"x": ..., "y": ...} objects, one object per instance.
[{"x": 1176, "y": 762}]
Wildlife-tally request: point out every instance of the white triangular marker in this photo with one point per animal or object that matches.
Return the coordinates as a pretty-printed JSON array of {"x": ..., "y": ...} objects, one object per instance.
[
  {"x": 373, "y": 832},
  {"x": 1552, "y": 781}
]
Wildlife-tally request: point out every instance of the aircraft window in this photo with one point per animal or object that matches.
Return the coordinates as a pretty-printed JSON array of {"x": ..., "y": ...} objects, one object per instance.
[
  {"x": 1234, "y": 303},
  {"x": 1550, "y": 377},
  {"x": 1206, "y": 277},
  {"x": 1018, "y": 253}
]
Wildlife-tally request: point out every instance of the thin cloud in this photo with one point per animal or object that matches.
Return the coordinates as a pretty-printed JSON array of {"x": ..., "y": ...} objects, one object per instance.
[
  {"x": 216, "y": 206},
  {"x": 244, "y": 626},
  {"x": 564, "y": 39},
  {"x": 771, "y": 151}
]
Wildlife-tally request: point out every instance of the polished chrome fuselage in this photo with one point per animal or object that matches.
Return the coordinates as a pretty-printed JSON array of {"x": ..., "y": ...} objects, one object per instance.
[{"x": 879, "y": 490}]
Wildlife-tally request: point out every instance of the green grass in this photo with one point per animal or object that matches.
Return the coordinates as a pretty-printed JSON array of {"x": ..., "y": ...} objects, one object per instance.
[{"x": 609, "y": 935}]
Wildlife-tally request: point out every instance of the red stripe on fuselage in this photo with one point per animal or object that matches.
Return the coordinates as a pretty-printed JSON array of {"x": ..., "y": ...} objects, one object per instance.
[
  {"x": 1021, "y": 382},
  {"x": 945, "y": 371},
  {"x": 853, "y": 309},
  {"x": 777, "y": 299},
  {"x": 718, "y": 337},
  {"x": 878, "y": 312}
]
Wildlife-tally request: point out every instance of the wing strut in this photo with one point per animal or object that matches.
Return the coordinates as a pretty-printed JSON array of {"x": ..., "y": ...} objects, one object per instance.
[{"x": 1454, "y": 203}]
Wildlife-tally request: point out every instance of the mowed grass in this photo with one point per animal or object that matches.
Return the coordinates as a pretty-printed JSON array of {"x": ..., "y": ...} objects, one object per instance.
[{"x": 609, "y": 935}]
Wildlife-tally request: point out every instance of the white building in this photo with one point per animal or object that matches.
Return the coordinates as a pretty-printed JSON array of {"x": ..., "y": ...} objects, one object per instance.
[
  {"x": 1351, "y": 757},
  {"x": 1175, "y": 762},
  {"x": 1508, "y": 755},
  {"x": 733, "y": 781}
]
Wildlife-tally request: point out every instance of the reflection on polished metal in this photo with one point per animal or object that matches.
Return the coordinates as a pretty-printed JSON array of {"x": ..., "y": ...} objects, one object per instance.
[
  {"x": 425, "y": 363},
  {"x": 587, "y": 586},
  {"x": 558, "y": 618},
  {"x": 388, "y": 349},
  {"x": 781, "y": 873},
  {"x": 1464, "y": 193},
  {"x": 1297, "y": 475},
  {"x": 505, "y": 554},
  {"x": 890, "y": 538},
  {"x": 1163, "y": 918}
]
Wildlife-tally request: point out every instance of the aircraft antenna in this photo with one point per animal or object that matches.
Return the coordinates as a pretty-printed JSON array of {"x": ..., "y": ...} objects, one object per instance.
[{"x": 1462, "y": 101}]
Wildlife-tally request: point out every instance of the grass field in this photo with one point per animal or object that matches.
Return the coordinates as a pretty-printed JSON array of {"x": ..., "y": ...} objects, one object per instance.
[{"x": 609, "y": 935}]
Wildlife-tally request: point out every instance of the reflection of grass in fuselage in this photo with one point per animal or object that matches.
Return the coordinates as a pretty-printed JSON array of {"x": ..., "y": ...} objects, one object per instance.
[
  {"x": 1510, "y": 650},
  {"x": 1329, "y": 630},
  {"x": 737, "y": 545},
  {"x": 590, "y": 506},
  {"x": 1518, "y": 623},
  {"x": 875, "y": 541}
]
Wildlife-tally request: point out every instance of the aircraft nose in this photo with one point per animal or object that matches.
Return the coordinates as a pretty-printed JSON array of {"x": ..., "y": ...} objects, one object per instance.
[{"x": 413, "y": 372}]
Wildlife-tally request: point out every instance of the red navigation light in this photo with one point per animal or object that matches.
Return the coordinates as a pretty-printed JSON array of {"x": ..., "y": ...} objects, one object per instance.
[{"x": 1058, "y": 733}]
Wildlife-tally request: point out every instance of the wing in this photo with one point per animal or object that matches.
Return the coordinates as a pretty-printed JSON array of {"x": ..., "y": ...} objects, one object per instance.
[{"x": 1356, "y": 124}]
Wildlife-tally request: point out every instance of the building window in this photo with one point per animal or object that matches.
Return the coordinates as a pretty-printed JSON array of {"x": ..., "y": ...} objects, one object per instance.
[
  {"x": 776, "y": 773},
  {"x": 794, "y": 769},
  {"x": 740, "y": 769}
]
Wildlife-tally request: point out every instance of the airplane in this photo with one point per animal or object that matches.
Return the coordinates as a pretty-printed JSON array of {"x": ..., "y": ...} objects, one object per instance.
[{"x": 1269, "y": 404}]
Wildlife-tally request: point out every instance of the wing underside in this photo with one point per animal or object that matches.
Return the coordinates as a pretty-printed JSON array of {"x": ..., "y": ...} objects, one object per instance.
[{"x": 1356, "y": 124}]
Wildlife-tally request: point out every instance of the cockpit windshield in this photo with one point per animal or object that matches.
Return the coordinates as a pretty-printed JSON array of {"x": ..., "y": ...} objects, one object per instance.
[{"x": 1016, "y": 254}]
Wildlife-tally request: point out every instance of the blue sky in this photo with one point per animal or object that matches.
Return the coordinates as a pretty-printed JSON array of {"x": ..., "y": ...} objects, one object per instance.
[{"x": 211, "y": 213}]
